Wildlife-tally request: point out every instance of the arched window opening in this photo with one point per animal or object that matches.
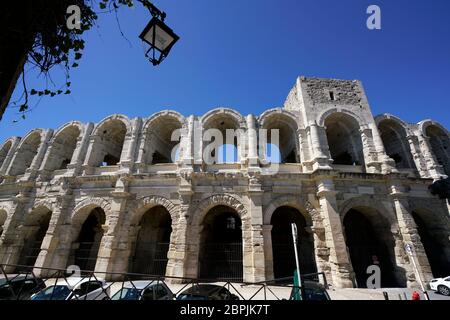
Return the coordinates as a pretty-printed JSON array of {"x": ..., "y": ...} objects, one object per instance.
[
  {"x": 108, "y": 148},
  {"x": 440, "y": 145},
  {"x": 26, "y": 153},
  {"x": 159, "y": 146},
  {"x": 62, "y": 148},
  {"x": 4, "y": 150}
]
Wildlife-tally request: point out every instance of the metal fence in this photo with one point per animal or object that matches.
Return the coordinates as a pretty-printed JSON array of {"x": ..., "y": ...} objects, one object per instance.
[
  {"x": 222, "y": 261},
  {"x": 22, "y": 285}
]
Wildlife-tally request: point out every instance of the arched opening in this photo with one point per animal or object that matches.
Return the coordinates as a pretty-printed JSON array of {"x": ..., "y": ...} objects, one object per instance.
[
  {"x": 3, "y": 216},
  {"x": 108, "y": 149},
  {"x": 440, "y": 145},
  {"x": 85, "y": 248},
  {"x": 282, "y": 139},
  {"x": 283, "y": 246},
  {"x": 4, "y": 150},
  {"x": 370, "y": 242},
  {"x": 152, "y": 242},
  {"x": 396, "y": 144},
  {"x": 222, "y": 139},
  {"x": 344, "y": 140},
  {"x": 62, "y": 148},
  {"x": 221, "y": 245},
  {"x": 26, "y": 153},
  {"x": 434, "y": 238},
  {"x": 35, "y": 228},
  {"x": 159, "y": 147}
]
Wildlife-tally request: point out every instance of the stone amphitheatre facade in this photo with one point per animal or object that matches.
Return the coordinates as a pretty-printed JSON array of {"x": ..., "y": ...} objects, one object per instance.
[{"x": 107, "y": 197}]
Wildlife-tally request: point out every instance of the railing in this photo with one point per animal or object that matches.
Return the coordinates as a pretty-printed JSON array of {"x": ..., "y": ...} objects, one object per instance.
[{"x": 13, "y": 288}]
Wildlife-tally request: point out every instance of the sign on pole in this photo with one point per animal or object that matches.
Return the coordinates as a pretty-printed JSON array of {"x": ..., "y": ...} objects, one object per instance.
[{"x": 295, "y": 237}]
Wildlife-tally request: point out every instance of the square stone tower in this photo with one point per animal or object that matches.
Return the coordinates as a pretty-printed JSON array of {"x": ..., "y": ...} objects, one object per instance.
[{"x": 337, "y": 125}]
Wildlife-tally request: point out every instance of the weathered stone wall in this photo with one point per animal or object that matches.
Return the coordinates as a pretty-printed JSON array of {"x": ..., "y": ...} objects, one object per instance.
[{"x": 33, "y": 177}]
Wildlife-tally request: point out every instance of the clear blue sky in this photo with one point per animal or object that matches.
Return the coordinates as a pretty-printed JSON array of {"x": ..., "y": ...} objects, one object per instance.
[{"x": 247, "y": 54}]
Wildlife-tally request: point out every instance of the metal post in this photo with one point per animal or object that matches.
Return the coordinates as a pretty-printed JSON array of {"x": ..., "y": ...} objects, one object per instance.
[
  {"x": 409, "y": 250},
  {"x": 294, "y": 237}
]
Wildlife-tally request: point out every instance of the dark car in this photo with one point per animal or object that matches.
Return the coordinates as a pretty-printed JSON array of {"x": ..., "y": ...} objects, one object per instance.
[
  {"x": 207, "y": 292},
  {"x": 311, "y": 291},
  {"x": 19, "y": 287},
  {"x": 143, "y": 290}
]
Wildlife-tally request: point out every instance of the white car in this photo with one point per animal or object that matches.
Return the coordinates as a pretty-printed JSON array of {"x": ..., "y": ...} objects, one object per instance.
[
  {"x": 441, "y": 285},
  {"x": 74, "y": 288}
]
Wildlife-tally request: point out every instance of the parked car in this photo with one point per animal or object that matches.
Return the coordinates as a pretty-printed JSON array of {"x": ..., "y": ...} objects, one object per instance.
[
  {"x": 143, "y": 290},
  {"x": 206, "y": 292},
  {"x": 19, "y": 286},
  {"x": 312, "y": 291},
  {"x": 74, "y": 288},
  {"x": 441, "y": 285}
]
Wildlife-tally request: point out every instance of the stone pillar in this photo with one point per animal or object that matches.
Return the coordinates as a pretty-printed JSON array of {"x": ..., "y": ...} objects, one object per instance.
[
  {"x": 254, "y": 261},
  {"x": 370, "y": 154},
  {"x": 252, "y": 154},
  {"x": 186, "y": 143},
  {"x": 90, "y": 159},
  {"x": 320, "y": 159},
  {"x": 56, "y": 245},
  {"x": 386, "y": 164},
  {"x": 304, "y": 154},
  {"x": 11, "y": 240},
  {"x": 418, "y": 159},
  {"x": 178, "y": 242},
  {"x": 434, "y": 169},
  {"x": 268, "y": 251},
  {"x": 79, "y": 154},
  {"x": 114, "y": 250},
  {"x": 341, "y": 270},
  {"x": 409, "y": 234},
  {"x": 32, "y": 171},
  {"x": 130, "y": 143}
]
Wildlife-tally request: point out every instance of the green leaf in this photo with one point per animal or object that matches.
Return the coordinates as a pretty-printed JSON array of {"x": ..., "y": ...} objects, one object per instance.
[
  {"x": 74, "y": 65},
  {"x": 102, "y": 5},
  {"x": 78, "y": 56},
  {"x": 23, "y": 107},
  {"x": 33, "y": 92},
  {"x": 68, "y": 84},
  {"x": 67, "y": 91}
]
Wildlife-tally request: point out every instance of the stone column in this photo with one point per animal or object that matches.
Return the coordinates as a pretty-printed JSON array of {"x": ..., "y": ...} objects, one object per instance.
[
  {"x": 90, "y": 161},
  {"x": 56, "y": 245},
  {"x": 177, "y": 254},
  {"x": 434, "y": 169},
  {"x": 79, "y": 154},
  {"x": 268, "y": 251},
  {"x": 386, "y": 163},
  {"x": 410, "y": 235},
  {"x": 129, "y": 148},
  {"x": 341, "y": 270},
  {"x": 370, "y": 154},
  {"x": 252, "y": 155},
  {"x": 417, "y": 155},
  {"x": 320, "y": 159},
  {"x": 114, "y": 251}
]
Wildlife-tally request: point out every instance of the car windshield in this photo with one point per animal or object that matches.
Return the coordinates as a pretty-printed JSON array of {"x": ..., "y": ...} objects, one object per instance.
[
  {"x": 191, "y": 297},
  {"x": 126, "y": 294},
  {"x": 53, "y": 293}
]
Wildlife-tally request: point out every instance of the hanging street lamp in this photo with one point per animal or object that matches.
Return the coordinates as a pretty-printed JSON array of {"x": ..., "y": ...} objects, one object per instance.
[{"x": 157, "y": 35}]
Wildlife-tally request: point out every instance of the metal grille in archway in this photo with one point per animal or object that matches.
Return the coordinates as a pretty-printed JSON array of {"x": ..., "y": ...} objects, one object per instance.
[
  {"x": 154, "y": 262},
  {"x": 222, "y": 261}
]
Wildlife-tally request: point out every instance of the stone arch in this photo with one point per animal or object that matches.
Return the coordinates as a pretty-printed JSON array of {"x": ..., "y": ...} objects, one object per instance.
[
  {"x": 286, "y": 123},
  {"x": 63, "y": 145},
  {"x": 145, "y": 203},
  {"x": 34, "y": 228},
  {"x": 5, "y": 149},
  {"x": 3, "y": 217},
  {"x": 433, "y": 228},
  {"x": 216, "y": 123},
  {"x": 343, "y": 131},
  {"x": 222, "y": 112},
  {"x": 157, "y": 137},
  {"x": 394, "y": 133},
  {"x": 439, "y": 139},
  {"x": 371, "y": 238},
  {"x": 397, "y": 120},
  {"x": 290, "y": 201},
  {"x": 324, "y": 115},
  {"x": 83, "y": 208},
  {"x": 109, "y": 140},
  {"x": 216, "y": 200},
  {"x": 26, "y": 151}
]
